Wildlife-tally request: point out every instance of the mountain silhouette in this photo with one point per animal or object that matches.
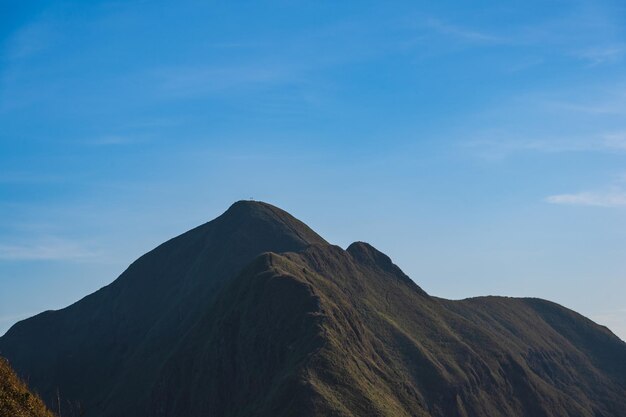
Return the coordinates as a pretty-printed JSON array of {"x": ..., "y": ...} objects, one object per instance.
[{"x": 254, "y": 314}]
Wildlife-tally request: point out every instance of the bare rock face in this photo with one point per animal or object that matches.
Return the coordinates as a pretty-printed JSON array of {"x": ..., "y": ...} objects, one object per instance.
[{"x": 254, "y": 314}]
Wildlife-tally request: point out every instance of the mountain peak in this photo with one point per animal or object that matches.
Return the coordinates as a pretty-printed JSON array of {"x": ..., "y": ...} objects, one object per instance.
[
  {"x": 249, "y": 205},
  {"x": 254, "y": 314},
  {"x": 254, "y": 208},
  {"x": 253, "y": 214},
  {"x": 367, "y": 254}
]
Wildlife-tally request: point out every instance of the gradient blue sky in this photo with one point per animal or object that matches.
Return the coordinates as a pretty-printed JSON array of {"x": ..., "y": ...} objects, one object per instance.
[{"x": 482, "y": 145}]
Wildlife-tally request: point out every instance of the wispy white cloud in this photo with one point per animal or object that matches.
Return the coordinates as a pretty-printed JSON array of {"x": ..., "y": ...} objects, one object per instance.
[
  {"x": 236, "y": 45},
  {"x": 23, "y": 177},
  {"x": 47, "y": 249},
  {"x": 499, "y": 145},
  {"x": 30, "y": 40},
  {"x": 603, "y": 54},
  {"x": 582, "y": 31},
  {"x": 112, "y": 140},
  {"x": 330, "y": 46},
  {"x": 581, "y": 119},
  {"x": 610, "y": 198},
  {"x": 615, "y": 140},
  {"x": 199, "y": 80},
  {"x": 614, "y": 107},
  {"x": 463, "y": 33}
]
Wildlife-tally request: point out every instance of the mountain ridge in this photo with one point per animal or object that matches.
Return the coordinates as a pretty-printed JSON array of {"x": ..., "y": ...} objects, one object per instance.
[{"x": 254, "y": 314}]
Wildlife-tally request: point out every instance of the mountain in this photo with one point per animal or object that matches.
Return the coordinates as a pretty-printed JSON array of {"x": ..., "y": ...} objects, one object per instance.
[
  {"x": 254, "y": 314},
  {"x": 15, "y": 398},
  {"x": 106, "y": 349}
]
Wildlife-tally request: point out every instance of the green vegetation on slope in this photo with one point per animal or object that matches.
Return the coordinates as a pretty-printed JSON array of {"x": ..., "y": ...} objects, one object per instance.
[
  {"x": 15, "y": 398},
  {"x": 105, "y": 350},
  {"x": 332, "y": 332},
  {"x": 255, "y": 315}
]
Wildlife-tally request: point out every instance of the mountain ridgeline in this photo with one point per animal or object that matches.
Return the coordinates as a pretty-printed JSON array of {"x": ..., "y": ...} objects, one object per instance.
[{"x": 254, "y": 314}]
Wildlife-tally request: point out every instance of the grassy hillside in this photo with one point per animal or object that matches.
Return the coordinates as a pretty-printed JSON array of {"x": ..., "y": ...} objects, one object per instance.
[
  {"x": 104, "y": 351},
  {"x": 333, "y": 332},
  {"x": 255, "y": 315},
  {"x": 15, "y": 398}
]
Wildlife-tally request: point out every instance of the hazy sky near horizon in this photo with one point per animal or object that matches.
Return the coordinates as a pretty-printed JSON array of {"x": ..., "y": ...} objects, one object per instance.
[{"x": 482, "y": 145}]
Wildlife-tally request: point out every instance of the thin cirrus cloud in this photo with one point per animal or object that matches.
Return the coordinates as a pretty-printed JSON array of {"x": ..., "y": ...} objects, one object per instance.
[
  {"x": 615, "y": 140},
  {"x": 594, "y": 116},
  {"x": 498, "y": 145},
  {"x": 602, "y": 54},
  {"x": 24, "y": 177},
  {"x": 179, "y": 82},
  {"x": 48, "y": 249},
  {"x": 30, "y": 40},
  {"x": 462, "y": 33},
  {"x": 610, "y": 198},
  {"x": 116, "y": 140},
  {"x": 588, "y": 33}
]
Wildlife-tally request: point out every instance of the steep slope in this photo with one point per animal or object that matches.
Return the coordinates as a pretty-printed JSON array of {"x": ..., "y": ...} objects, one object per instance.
[
  {"x": 105, "y": 349},
  {"x": 253, "y": 314},
  {"x": 15, "y": 398},
  {"x": 328, "y": 332}
]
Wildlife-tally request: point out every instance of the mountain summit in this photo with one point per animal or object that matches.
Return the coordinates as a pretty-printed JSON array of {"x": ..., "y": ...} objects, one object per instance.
[{"x": 254, "y": 314}]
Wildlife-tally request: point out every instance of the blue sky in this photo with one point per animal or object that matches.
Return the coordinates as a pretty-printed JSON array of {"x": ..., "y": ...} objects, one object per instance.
[{"x": 482, "y": 145}]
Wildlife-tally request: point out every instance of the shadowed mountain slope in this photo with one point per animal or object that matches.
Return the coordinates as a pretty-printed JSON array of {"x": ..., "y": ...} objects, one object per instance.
[
  {"x": 105, "y": 349},
  {"x": 254, "y": 314}
]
